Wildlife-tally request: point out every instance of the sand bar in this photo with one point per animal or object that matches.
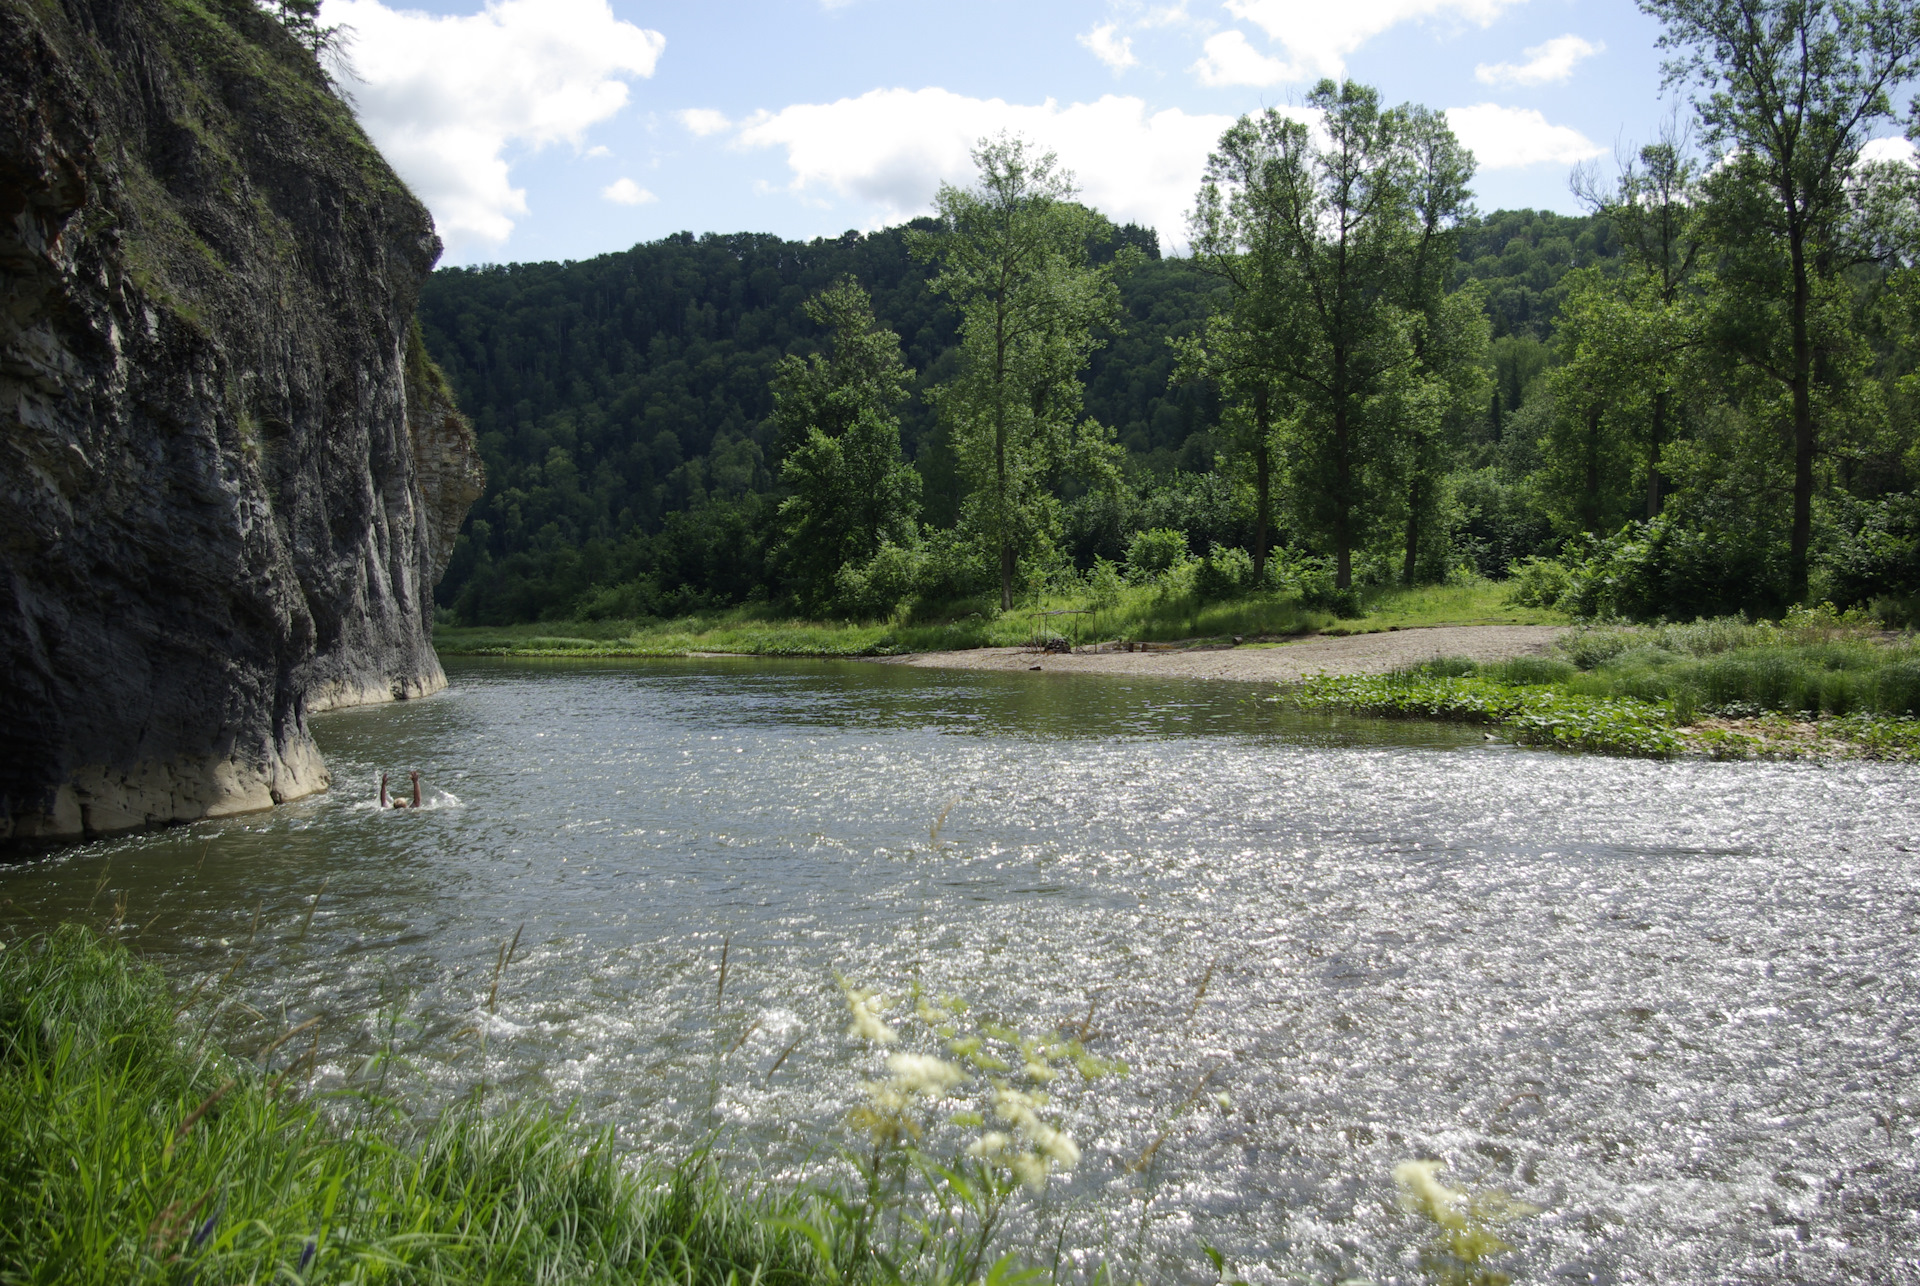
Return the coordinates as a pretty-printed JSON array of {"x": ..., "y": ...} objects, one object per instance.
[{"x": 1266, "y": 663}]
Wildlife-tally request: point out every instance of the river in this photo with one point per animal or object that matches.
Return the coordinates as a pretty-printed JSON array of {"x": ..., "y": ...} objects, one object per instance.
[{"x": 1672, "y": 1005}]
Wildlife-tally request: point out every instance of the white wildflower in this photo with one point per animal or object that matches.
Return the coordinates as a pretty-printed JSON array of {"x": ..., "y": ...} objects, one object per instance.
[
  {"x": 1030, "y": 1170},
  {"x": 1056, "y": 1145},
  {"x": 867, "y": 1006},
  {"x": 923, "y": 1073},
  {"x": 887, "y": 1096},
  {"x": 1422, "y": 1191},
  {"x": 1012, "y": 1106},
  {"x": 990, "y": 1146}
]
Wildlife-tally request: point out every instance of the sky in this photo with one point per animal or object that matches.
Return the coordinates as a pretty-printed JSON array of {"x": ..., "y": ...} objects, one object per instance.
[{"x": 563, "y": 129}]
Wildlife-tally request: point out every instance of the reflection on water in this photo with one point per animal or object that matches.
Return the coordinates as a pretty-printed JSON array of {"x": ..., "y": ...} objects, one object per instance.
[{"x": 1672, "y": 1005}]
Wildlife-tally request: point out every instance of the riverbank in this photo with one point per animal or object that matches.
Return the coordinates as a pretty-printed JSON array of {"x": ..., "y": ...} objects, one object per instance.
[
  {"x": 1289, "y": 661},
  {"x": 1156, "y": 614}
]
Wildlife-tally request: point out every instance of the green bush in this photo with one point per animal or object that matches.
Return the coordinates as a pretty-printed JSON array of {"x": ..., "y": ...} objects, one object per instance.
[
  {"x": 1105, "y": 585},
  {"x": 1343, "y": 603},
  {"x": 880, "y": 588},
  {"x": 1537, "y": 582},
  {"x": 1671, "y": 567},
  {"x": 1152, "y": 553},
  {"x": 1223, "y": 574}
]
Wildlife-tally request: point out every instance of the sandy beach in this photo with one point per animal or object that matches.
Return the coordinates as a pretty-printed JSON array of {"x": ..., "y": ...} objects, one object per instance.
[{"x": 1266, "y": 663}]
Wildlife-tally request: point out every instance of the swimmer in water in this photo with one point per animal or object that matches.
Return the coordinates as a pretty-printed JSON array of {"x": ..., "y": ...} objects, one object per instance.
[{"x": 397, "y": 802}]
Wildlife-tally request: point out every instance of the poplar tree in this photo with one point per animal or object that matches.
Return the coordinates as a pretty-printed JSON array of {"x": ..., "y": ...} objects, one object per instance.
[
  {"x": 1011, "y": 252},
  {"x": 836, "y": 413},
  {"x": 1789, "y": 92},
  {"x": 1655, "y": 212},
  {"x": 1239, "y": 237},
  {"x": 1340, "y": 254}
]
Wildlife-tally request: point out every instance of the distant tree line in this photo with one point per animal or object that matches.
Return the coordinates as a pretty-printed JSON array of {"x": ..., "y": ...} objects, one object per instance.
[{"x": 1697, "y": 397}]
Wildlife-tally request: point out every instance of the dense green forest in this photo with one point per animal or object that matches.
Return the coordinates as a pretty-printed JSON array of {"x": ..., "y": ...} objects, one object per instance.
[
  {"x": 623, "y": 405},
  {"x": 1698, "y": 398}
]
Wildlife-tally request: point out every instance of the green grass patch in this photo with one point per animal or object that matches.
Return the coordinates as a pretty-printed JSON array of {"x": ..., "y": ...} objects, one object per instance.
[
  {"x": 1170, "y": 612},
  {"x": 1812, "y": 686},
  {"x": 1472, "y": 602},
  {"x": 133, "y": 1152}
]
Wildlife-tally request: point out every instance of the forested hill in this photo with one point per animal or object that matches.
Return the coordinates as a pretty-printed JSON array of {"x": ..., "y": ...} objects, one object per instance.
[{"x": 612, "y": 394}]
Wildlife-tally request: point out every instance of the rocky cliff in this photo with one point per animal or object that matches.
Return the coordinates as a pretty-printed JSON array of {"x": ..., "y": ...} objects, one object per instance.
[{"x": 229, "y": 475}]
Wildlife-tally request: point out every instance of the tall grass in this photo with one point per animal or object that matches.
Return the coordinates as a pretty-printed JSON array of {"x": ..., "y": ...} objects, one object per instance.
[
  {"x": 133, "y": 1153},
  {"x": 1813, "y": 663}
]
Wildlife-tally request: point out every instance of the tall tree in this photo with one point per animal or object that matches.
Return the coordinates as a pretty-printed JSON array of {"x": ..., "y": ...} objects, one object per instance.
[
  {"x": 836, "y": 413},
  {"x": 1239, "y": 238},
  {"x": 1655, "y": 210},
  {"x": 1012, "y": 254},
  {"x": 1449, "y": 329},
  {"x": 1599, "y": 388},
  {"x": 1341, "y": 252},
  {"x": 1789, "y": 91}
]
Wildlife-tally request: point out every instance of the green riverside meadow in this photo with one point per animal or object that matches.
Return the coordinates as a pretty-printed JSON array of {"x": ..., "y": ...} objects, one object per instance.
[{"x": 1820, "y": 684}]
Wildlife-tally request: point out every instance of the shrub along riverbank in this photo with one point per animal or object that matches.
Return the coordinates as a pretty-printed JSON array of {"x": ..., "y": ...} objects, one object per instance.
[
  {"x": 1816, "y": 685},
  {"x": 1171, "y": 610}
]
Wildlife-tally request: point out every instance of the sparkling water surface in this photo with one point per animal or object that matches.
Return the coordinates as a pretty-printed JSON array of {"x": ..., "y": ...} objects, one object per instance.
[{"x": 1671, "y": 1004}]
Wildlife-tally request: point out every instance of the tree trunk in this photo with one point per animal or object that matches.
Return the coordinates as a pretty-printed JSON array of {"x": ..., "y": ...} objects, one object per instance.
[
  {"x": 1342, "y": 476},
  {"x": 1656, "y": 442},
  {"x": 1413, "y": 531},
  {"x": 1803, "y": 429},
  {"x": 1262, "y": 487},
  {"x": 1342, "y": 479},
  {"x": 1590, "y": 495}
]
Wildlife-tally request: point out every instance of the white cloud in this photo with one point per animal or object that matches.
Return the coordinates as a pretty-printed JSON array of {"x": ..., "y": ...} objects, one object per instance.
[
  {"x": 597, "y": 151},
  {"x": 1228, "y": 59},
  {"x": 627, "y": 192},
  {"x": 703, "y": 121},
  {"x": 1890, "y": 149},
  {"x": 1505, "y": 138},
  {"x": 892, "y": 148},
  {"x": 445, "y": 97},
  {"x": 1115, "y": 50},
  {"x": 1546, "y": 64},
  {"x": 1319, "y": 34}
]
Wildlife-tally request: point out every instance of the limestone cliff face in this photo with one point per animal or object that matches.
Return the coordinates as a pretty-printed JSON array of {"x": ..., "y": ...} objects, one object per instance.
[{"x": 229, "y": 476}]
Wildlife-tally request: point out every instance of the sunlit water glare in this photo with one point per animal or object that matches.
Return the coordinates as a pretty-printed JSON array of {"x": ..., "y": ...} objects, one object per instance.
[{"x": 1673, "y": 1005}]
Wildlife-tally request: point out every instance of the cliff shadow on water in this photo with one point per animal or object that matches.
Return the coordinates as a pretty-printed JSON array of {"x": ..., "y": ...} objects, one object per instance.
[{"x": 231, "y": 475}]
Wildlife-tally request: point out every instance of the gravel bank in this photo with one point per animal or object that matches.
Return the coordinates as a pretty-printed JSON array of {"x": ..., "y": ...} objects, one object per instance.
[{"x": 1261, "y": 663}]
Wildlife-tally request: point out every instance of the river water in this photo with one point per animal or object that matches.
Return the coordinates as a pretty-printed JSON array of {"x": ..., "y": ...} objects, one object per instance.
[{"x": 1671, "y": 1005}]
